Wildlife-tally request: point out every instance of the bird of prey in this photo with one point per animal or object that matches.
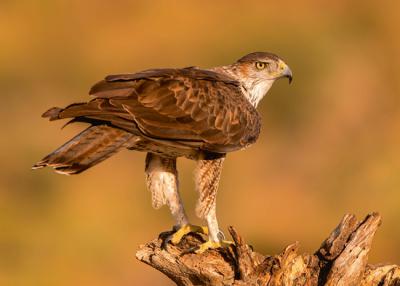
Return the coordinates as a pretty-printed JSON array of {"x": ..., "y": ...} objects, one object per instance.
[{"x": 200, "y": 114}]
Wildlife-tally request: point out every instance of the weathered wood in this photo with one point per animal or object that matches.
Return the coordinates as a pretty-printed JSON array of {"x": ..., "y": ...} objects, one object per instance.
[{"x": 341, "y": 260}]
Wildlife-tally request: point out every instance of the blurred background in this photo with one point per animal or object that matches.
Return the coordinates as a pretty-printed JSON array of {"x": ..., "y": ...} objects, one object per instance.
[{"x": 329, "y": 143}]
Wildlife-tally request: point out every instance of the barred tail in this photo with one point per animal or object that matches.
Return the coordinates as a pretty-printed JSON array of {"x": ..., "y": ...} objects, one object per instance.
[{"x": 88, "y": 148}]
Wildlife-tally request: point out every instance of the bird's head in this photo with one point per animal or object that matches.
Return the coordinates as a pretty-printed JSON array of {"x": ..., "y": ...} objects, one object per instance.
[{"x": 258, "y": 71}]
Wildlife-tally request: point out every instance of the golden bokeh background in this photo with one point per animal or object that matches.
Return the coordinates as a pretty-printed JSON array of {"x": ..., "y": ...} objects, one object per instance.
[{"x": 329, "y": 144}]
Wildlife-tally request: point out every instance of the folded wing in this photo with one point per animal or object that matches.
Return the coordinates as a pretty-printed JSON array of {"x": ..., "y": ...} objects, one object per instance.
[{"x": 186, "y": 105}]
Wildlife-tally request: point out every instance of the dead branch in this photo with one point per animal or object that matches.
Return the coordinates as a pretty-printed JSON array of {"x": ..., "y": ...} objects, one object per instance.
[{"x": 341, "y": 260}]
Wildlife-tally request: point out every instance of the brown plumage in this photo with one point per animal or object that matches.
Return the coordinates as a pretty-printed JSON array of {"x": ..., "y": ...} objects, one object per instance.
[
  {"x": 207, "y": 177},
  {"x": 88, "y": 148},
  {"x": 190, "y": 112},
  {"x": 190, "y": 106}
]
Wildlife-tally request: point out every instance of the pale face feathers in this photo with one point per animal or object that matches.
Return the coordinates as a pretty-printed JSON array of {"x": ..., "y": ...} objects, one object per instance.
[
  {"x": 257, "y": 72},
  {"x": 258, "y": 89}
]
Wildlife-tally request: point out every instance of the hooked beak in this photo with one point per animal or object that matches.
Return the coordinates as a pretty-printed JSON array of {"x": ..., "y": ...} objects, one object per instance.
[{"x": 287, "y": 72}]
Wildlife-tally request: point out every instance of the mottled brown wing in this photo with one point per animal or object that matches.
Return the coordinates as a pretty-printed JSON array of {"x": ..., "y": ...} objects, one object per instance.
[{"x": 186, "y": 105}]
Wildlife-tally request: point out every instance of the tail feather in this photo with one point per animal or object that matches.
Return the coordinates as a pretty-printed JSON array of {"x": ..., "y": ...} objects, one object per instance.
[
  {"x": 97, "y": 111},
  {"x": 88, "y": 148}
]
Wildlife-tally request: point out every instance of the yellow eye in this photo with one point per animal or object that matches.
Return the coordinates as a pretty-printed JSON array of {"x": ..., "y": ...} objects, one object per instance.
[{"x": 261, "y": 65}]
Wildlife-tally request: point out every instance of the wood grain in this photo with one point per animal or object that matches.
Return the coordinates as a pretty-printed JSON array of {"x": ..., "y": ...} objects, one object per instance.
[{"x": 341, "y": 260}]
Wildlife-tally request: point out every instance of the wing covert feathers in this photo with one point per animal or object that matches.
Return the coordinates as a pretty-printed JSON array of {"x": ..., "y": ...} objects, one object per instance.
[{"x": 188, "y": 104}]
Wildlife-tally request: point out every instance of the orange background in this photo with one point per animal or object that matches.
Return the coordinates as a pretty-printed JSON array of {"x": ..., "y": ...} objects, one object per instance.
[{"x": 329, "y": 144}]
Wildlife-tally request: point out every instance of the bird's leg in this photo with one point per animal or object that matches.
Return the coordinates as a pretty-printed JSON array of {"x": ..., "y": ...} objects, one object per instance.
[
  {"x": 175, "y": 205},
  {"x": 215, "y": 234},
  {"x": 162, "y": 181},
  {"x": 216, "y": 238},
  {"x": 207, "y": 177},
  {"x": 182, "y": 227}
]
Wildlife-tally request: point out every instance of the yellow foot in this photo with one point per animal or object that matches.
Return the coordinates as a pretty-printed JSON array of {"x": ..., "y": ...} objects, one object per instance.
[
  {"x": 177, "y": 236},
  {"x": 212, "y": 245},
  {"x": 186, "y": 229}
]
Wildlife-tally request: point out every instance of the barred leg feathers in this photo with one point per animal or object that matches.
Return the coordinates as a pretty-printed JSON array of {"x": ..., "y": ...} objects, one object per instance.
[
  {"x": 162, "y": 182},
  {"x": 88, "y": 148},
  {"x": 207, "y": 175},
  {"x": 160, "y": 174}
]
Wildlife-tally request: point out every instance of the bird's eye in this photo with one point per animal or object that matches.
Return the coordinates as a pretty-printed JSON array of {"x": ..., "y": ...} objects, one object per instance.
[{"x": 260, "y": 65}]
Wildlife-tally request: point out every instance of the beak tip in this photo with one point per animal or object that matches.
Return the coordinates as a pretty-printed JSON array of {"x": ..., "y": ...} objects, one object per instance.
[
  {"x": 287, "y": 72},
  {"x": 289, "y": 75}
]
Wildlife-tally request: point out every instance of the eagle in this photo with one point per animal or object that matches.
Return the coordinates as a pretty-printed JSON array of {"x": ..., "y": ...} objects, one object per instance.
[{"x": 199, "y": 114}]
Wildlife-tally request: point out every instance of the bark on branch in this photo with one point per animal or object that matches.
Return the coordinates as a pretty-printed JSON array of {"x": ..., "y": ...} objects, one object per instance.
[{"x": 341, "y": 260}]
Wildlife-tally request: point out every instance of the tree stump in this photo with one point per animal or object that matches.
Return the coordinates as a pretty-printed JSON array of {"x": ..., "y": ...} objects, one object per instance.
[{"x": 340, "y": 260}]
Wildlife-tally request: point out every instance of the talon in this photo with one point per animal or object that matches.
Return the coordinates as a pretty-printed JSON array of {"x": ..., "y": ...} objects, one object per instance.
[
  {"x": 213, "y": 245},
  {"x": 165, "y": 239},
  {"x": 177, "y": 236}
]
